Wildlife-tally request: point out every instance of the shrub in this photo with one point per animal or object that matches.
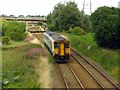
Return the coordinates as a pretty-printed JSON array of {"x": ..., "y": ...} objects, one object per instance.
[
  {"x": 77, "y": 30},
  {"x": 15, "y": 34},
  {"x": 5, "y": 40},
  {"x": 51, "y": 27},
  {"x": 14, "y": 30},
  {"x": 106, "y": 27}
]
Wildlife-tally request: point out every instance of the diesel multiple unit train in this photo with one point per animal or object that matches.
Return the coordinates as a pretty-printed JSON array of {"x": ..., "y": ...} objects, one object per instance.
[{"x": 58, "y": 46}]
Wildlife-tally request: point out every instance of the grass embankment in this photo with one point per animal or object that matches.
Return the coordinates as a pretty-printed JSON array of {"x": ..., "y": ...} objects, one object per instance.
[
  {"x": 19, "y": 66},
  {"x": 0, "y": 63},
  {"x": 88, "y": 47}
]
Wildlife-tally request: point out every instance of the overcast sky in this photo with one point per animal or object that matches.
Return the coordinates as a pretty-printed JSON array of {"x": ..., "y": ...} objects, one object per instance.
[{"x": 43, "y": 7}]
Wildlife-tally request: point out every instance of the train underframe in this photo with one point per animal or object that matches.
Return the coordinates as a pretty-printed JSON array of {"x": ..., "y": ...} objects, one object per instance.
[{"x": 59, "y": 58}]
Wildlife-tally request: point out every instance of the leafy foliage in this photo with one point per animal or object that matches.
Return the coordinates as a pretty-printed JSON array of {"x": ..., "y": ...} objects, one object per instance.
[
  {"x": 77, "y": 30},
  {"x": 66, "y": 16},
  {"x": 51, "y": 27},
  {"x": 4, "y": 27},
  {"x": 0, "y": 26},
  {"x": 86, "y": 23},
  {"x": 14, "y": 30},
  {"x": 56, "y": 16},
  {"x": 70, "y": 16},
  {"x": 5, "y": 40},
  {"x": 105, "y": 24}
]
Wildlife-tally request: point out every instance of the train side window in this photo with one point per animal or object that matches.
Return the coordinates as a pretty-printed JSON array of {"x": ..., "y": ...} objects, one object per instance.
[
  {"x": 67, "y": 45},
  {"x": 56, "y": 45}
]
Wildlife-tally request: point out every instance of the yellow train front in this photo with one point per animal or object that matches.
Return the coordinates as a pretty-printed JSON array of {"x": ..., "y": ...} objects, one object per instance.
[{"x": 58, "y": 46}]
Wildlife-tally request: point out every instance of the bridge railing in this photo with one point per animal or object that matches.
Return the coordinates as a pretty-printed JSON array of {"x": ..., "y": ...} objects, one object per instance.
[{"x": 28, "y": 18}]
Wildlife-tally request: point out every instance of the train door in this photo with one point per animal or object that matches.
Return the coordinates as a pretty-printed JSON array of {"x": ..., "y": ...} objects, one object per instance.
[{"x": 62, "y": 49}]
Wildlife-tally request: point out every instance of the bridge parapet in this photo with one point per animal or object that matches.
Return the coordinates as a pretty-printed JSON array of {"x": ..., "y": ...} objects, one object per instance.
[{"x": 27, "y": 19}]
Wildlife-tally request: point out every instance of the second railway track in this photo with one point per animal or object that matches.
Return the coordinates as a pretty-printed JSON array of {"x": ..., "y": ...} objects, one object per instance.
[{"x": 101, "y": 78}]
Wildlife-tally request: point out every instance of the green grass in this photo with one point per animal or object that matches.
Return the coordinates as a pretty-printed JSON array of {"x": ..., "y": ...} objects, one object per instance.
[
  {"x": 106, "y": 57},
  {"x": 51, "y": 60},
  {"x": 0, "y": 58},
  {"x": 17, "y": 70},
  {"x": 0, "y": 70}
]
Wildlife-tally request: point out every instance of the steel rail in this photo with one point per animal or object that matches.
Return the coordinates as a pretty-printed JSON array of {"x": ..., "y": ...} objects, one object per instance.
[
  {"x": 88, "y": 71},
  {"x": 63, "y": 77},
  {"x": 79, "y": 82},
  {"x": 95, "y": 68}
]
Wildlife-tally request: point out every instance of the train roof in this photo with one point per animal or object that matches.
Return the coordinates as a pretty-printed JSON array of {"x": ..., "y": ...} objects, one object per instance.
[{"x": 54, "y": 36}]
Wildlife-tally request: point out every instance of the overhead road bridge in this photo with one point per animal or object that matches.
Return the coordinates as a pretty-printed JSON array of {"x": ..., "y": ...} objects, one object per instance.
[{"x": 27, "y": 19}]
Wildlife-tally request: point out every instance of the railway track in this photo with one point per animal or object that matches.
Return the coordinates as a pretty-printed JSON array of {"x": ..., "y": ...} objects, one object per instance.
[
  {"x": 38, "y": 36},
  {"x": 91, "y": 73},
  {"x": 38, "y": 31},
  {"x": 94, "y": 71},
  {"x": 69, "y": 77}
]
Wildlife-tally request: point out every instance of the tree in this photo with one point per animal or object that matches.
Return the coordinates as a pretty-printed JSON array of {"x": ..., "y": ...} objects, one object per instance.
[
  {"x": 49, "y": 18},
  {"x": 70, "y": 17},
  {"x": 105, "y": 24},
  {"x": 56, "y": 15},
  {"x": 66, "y": 16},
  {"x": 86, "y": 22},
  {"x": 49, "y": 22}
]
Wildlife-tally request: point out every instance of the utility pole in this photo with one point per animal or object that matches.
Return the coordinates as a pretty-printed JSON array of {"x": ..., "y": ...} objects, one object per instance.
[
  {"x": 83, "y": 10},
  {"x": 90, "y": 7},
  {"x": 90, "y": 3},
  {"x": 83, "y": 14},
  {"x": 83, "y": 6}
]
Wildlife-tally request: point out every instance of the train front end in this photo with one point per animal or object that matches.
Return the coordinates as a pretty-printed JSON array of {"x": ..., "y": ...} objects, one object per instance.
[{"x": 62, "y": 51}]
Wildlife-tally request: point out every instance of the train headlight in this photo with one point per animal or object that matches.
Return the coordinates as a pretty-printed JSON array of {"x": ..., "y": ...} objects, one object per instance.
[{"x": 56, "y": 51}]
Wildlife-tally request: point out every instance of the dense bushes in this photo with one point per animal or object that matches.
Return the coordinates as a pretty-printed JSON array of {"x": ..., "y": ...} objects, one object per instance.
[
  {"x": 14, "y": 30},
  {"x": 51, "y": 27},
  {"x": 105, "y": 24},
  {"x": 5, "y": 40},
  {"x": 77, "y": 30}
]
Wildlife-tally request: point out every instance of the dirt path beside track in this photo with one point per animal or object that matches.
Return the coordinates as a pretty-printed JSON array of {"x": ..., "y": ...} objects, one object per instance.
[{"x": 49, "y": 77}]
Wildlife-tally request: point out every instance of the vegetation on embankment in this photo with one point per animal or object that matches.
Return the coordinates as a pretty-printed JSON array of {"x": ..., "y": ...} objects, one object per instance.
[
  {"x": 87, "y": 46},
  {"x": 12, "y": 30},
  {"x": 19, "y": 65}
]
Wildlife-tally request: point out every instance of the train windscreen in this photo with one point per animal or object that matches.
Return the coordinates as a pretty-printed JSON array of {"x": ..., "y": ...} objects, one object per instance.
[
  {"x": 56, "y": 45},
  {"x": 66, "y": 44}
]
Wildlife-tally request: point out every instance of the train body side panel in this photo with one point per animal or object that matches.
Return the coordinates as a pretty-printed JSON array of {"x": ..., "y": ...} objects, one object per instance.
[
  {"x": 49, "y": 44},
  {"x": 53, "y": 53}
]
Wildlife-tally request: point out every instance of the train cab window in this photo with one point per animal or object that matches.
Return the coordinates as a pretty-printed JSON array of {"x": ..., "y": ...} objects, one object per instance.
[
  {"x": 56, "y": 45},
  {"x": 67, "y": 45}
]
